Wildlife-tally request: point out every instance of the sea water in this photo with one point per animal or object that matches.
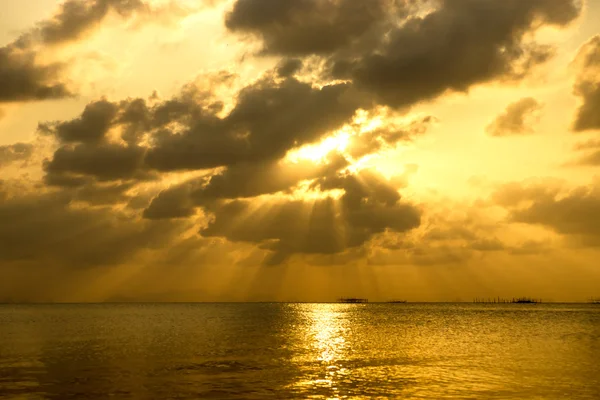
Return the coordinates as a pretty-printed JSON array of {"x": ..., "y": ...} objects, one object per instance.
[{"x": 286, "y": 351}]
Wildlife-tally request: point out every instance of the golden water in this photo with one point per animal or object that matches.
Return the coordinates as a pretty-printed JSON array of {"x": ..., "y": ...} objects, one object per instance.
[{"x": 245, "y": 351}]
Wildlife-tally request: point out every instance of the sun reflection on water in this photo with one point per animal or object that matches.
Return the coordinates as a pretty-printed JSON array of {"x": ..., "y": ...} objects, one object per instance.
[
  {"x": 327, "y": 337},
  {"x": 328, "y": 332}
]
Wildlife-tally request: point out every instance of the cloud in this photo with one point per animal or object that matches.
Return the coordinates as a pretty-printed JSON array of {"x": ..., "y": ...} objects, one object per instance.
[
  {"x": 589, "y": 144},
  {"x": 251, "y": 180},
  {"x": 92, "y": 126},
  {"x": 172, "y": 203},
  {"x": 591, "y": 159},
  {"x": 456, "y": 46},
  {"x": 458, "y": 233},
  {"x": 89, "y": 146},
  {"x": 289, "y": 67},
  {"x": 76, "y": 17},
  {"x": 46, "y": 229},
  {"x": 104, "y": 162},
  {"x": 369, "y": 206},
  {"x": 303, "y": 27},
  {"x": 244, "y": 157},
  {"x": 388, "y": 135},
  {"x": 269, "y": 119},
  {"x": 15, "y": 152},
  {"x": 572, "y": 213},
  {"x": 515, "y": 194},
  {"x": 408, "y": 51},
  {"x": 587, "y": 86},
  {"x": 186, "y": 133},
  {"x": 23, "y": 79},
  {"x": 97, "y": 194},
  {"x": 245, "y": 180},
  {"x": 516, "y": 119},
  {"x": 532, "y": 247},
  {"x": 591, "y": 150},
  {"x": 483, "y": 245}
]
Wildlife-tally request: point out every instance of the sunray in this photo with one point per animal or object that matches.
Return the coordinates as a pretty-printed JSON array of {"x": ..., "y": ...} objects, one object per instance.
[{"x": 255, "y": 209}]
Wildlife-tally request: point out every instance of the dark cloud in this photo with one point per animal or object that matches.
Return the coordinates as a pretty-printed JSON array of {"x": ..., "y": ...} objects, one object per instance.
[
  {"x": 74, "y": 19},
  {"x": 458, "y": 45},
  {"x": 289, "y": 67},
  {"x": 92, "y": 126},
  {"x": 235, "y": 182},
  {"x": 268, "y": 120},
  {"x": 306, "y": 27},
  {"x": 23, "y": 79},
  {"x": 135, "y": 117},
  {"x": 251, "y": 180},
  {"x": 91, "y": 149},
  {"x": 111, "y": 145},
  {"x": 46, "y": 228},
  {"x": 531, "y": 247},
  {"x": 89, "y": 190},
  {"x": 577, "y": 213},
  {"x": 131, "y": 118},
  {"x": 590, "y": 159},
  {"x": 96, "y": 194},
  {"x": 407, "y": 51},
  {"x": 573, "y": 213},
  {"x": 172, "y": 203},
  {"x": 516, "y": 119},
  {"x": 493, "y": 244},
  {"x": 185, "y": 133},
  {"x": 453, "y": 232},
  {"x": 105, "y": 162},
  {"x": 587, "y": 86},
  {"x": 15, "y": 152},
  {"x": 368, "y": 206},
  {"x": 247, "y": 146},
  {"x": 77, "y": 17}
]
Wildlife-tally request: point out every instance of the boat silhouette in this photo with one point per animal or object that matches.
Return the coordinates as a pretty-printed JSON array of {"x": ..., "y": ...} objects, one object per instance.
[
  {"x": 525, "y": 300},
  {"x": 352, "y": 300},
  {"x": 518, "y": 300}
]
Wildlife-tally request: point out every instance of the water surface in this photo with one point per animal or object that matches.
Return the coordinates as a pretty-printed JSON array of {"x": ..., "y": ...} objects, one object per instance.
[{"x": 245, "y": 351}]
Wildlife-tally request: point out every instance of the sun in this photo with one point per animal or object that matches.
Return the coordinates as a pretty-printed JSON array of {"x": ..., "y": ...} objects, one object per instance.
[
  {"x": 362, "y": 122},
  {"x": 317, "y": 152}
]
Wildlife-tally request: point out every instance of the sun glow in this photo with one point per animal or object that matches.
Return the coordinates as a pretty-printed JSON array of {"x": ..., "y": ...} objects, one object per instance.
[
  {"x": 318, "y": 152},
  {"x": 304, "y": 192},
  {"x": 363, "y": 122}
]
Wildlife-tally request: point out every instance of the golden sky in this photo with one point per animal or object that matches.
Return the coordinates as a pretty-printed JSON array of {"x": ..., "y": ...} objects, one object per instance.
[{"x": 431, "y": 150}]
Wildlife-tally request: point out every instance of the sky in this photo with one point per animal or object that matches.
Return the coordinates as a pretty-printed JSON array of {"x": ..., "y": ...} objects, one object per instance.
[{"x": 268, "y": 150}]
